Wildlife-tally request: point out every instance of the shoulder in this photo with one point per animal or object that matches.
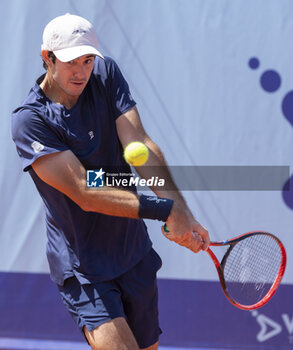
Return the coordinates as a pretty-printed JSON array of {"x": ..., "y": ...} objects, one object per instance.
[
  {"x": 102, "y": 64},
  {"x": 30, "y": 114},
  {"x": 105, "y": 67},
  {"x": 24, "y": 120},
  {"x": 27, "y": 114},
  {"x": 32, "y": 106},
  {"x": 24, "y": 114}
]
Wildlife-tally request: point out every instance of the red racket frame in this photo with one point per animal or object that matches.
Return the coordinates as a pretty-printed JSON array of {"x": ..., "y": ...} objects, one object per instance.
[{"x": 276, "y": 283}]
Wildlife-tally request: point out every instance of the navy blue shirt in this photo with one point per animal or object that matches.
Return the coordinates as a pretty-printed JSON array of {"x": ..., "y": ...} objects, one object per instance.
[{"x": 91, "y": 246}]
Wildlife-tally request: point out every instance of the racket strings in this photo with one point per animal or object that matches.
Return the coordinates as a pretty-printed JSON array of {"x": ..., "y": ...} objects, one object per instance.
[{"x": 251, "y": 268}]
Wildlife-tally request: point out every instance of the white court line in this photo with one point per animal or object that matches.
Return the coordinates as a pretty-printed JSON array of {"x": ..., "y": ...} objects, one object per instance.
[
  {"x": 38, "y": 344},
  {"x": 172, "y": 348}
]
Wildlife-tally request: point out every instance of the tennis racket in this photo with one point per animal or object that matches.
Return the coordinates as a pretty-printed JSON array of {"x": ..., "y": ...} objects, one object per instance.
[{"x": 251, "y": 268}]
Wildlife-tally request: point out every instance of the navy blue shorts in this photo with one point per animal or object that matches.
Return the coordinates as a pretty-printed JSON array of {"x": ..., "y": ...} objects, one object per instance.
[{"x": 132, "y": 295}]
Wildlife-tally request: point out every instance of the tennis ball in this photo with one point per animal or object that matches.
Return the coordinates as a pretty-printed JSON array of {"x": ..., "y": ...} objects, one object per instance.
[{"x": 136, "y": 153}]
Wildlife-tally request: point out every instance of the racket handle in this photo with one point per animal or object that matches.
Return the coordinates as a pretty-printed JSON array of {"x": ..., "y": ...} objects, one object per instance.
[{"x": 166, "y": 228}]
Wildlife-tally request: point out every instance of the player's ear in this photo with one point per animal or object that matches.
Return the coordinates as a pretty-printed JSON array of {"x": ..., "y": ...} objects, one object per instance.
[{"x": 46, "y": 58}]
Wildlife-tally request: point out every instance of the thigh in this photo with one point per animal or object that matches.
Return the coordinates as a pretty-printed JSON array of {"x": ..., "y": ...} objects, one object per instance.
[
  {"x": 92, "y": 305},
  {"x": 140, "y": 299},
  {"x": 112, "y": 335}
]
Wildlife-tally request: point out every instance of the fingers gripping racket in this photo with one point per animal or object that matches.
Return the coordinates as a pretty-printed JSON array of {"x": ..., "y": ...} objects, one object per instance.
[{"x": 251, "y": 268}]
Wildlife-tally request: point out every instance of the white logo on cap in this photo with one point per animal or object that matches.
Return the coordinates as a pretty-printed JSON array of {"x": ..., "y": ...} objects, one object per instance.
[
  {"x": 79, "y": 31},
  {"x": 37, "y": 146}
]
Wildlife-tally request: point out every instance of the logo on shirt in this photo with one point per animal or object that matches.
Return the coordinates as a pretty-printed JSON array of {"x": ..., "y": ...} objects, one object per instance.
[
  {"x": 95, "y": 178},
  {"x": 37, "y": 146},
  {"x": 91, "y": 134}
]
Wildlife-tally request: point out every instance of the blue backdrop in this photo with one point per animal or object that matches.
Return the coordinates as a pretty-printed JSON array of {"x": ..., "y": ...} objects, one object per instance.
[{"x": 214, "y": 86}]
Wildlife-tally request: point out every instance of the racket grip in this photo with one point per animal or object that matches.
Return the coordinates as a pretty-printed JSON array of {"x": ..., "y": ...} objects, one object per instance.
[{"x": 166, "y": 228}]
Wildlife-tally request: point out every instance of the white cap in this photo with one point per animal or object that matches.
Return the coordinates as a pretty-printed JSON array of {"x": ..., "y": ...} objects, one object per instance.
[{"x": 69, "y": 37}]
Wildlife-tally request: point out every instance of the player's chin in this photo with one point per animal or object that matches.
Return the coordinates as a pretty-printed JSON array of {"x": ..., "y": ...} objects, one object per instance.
[{"x": 76, "y": 89}]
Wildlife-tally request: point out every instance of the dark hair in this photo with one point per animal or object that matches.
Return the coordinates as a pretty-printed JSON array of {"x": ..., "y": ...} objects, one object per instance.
[{"x": 52, "y": 58}]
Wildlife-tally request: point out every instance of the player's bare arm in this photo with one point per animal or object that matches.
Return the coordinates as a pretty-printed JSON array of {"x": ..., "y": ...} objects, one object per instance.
[
  {"x": 130, "y": 128},
  {"x": 65, "y": 173},
  {"x": 184, "y": 229}
]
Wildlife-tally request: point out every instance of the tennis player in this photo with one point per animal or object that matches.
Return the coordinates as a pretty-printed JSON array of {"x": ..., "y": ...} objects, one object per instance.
[{"x": 80, "y": 115}]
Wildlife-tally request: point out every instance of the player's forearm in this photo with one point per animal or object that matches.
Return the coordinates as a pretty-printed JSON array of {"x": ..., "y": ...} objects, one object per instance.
[
  {"x": 121, "y": 203},
  {"x": 157, "y": 166},
  {"x": 110, "y": 201}
]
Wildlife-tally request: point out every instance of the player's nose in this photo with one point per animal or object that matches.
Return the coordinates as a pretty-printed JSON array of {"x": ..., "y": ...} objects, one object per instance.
[{"x": 79, "y": 73}]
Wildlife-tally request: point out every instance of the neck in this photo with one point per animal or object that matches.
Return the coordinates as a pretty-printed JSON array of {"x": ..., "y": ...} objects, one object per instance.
[{"x": 56, "y": 94}]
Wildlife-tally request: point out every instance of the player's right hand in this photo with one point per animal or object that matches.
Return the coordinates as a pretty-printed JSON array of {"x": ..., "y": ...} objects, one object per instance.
[{"x": 185, "y": 230}]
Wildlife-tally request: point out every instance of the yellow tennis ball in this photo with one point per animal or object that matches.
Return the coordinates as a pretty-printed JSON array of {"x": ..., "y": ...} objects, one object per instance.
[{"x": 136, "y": 153}]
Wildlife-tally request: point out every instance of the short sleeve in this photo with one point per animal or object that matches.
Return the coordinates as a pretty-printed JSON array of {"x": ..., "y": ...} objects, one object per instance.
[
  {"x": 33, "y": 137},
  {"x": 118, "y": 89}
]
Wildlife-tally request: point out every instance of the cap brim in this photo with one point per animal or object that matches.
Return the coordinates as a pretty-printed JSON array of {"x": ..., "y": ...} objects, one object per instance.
[{"x": 71, "y": 53}]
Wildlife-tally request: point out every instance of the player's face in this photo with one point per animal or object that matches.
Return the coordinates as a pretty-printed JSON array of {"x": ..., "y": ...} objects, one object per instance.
[{"x": 70, "y": 78}]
